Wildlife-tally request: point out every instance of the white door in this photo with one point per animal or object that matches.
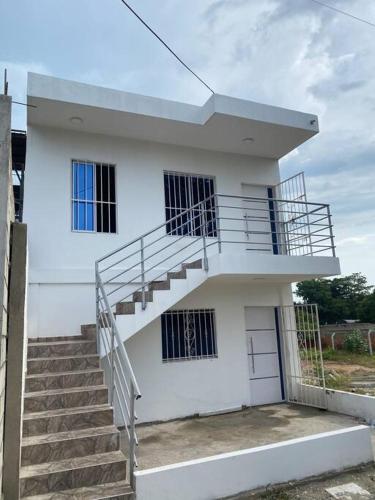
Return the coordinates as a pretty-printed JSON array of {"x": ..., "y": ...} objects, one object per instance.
[
  {"x": 257, "y": 219},
  {"x": 265, "y": 376}
]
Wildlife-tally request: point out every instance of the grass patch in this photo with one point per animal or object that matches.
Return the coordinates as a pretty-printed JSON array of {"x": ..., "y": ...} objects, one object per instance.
[
  {"x": 338, "y": 381},
  {"x": 349, "y": 358}
]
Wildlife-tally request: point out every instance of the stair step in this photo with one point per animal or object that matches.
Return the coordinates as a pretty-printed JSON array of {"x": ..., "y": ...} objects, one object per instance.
[
  {"x": 88, "y": 331},
  {"x": 125, "y": 308},
  {"x": 177, "y": 275},
  {"x": 62, "y": 364},
  {"x": 67, "y": 419},
  {"x": 137, "y": 296},
  {"x": 104, "y": 319},
  {"x": 62, "y": 348},
  {"x": 160, "y": 285},
  {"x": 65, "y": 398},
  {"x": 109, "y": 491},
  {"x": 197, "y": 264},
  {"x": 70, "y": 338},
  {"x": 72, "y": 473},
  {"x": 69, "y": 444},
  {"x": 50, "y": 381}
]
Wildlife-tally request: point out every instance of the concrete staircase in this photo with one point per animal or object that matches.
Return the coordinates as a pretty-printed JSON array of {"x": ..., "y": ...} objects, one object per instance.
[
  {"x": 130, "y": 317},
  {"x": 70, "y": 447}
]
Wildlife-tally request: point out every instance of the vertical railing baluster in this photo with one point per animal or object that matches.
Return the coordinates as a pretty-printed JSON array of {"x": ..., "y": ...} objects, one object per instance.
[
  {"x": 331, "y": 231},
  {"x": 132, "y": 436},
  {"x": 143, "y": 274},
  {"x": 204, "y": 225},
  {"x": 97, "y": 307},
  {"x": 217, "y": 221},
  {"x": 112, "y": 387}
]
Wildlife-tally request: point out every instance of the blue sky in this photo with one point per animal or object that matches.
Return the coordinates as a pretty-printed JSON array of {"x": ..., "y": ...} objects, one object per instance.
[{"x": 290, "y": 53}]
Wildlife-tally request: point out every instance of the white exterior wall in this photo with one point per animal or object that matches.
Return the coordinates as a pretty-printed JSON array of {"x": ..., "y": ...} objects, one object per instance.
[
  {"x": 198, "y": 386},
  {"x": 61, "y": 293},
  {"x": 228, "y": 474}
]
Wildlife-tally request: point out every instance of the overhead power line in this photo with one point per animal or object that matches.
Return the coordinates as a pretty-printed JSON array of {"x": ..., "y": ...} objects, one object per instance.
[
  {"x": 24, "y": 104},
  {"x": 166, "y": 45},
  {"x": 335, "y": 9}
]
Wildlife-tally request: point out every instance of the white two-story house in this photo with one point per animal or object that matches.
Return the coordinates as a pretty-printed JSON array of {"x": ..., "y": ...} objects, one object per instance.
[{"x": 170, "y": 227}]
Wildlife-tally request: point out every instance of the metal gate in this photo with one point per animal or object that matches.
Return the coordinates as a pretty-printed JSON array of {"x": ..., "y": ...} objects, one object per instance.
[
  {"x": 295, "y": 223},
  {"x": 303, "y": 360}
]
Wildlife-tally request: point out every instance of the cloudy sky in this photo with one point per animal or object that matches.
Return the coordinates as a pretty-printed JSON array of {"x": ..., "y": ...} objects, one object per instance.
[{"x": 291, "y": 53}]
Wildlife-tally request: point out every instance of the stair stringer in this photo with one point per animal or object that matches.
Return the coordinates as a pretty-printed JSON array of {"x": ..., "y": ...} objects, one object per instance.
[{"x": 129, "y": 325}]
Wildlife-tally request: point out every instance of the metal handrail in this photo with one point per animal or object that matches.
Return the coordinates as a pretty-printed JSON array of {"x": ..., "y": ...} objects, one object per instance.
[
  {"x": 147, "y": 233},
  {"x": 299, "y": 230},
  {"x": 118, "y": 338},
  {"x": 109, "y": 338},
  {"x": 122, "y": 382}
]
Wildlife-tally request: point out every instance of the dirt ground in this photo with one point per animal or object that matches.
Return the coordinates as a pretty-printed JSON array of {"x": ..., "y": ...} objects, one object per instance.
[
  {"x": 350, "y": 372},
  {"x": 315, "y": 490},
  {"x": 349, "y": 369}
]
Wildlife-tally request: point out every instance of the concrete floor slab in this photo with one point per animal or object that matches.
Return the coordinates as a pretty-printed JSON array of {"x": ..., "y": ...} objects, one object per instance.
[{"x": 181, "y": 440}]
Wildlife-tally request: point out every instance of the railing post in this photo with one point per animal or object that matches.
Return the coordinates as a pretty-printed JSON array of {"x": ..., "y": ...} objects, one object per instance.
[
  {"x": 204, "y": 225},
  {"x": 331, "y": 231},
  {"x": 131, "y": 436},
  {"x": 112, "y": 361},
  {"x": 217, "y": 222},
  {"x": 333, "y": 340},
  {"x": 97, "y": 307},
  {"x": 369, "y": 333},
  {"x": 143, "y": 273}
]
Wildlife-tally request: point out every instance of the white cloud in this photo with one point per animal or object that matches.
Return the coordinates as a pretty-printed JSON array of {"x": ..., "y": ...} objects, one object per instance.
[{"x": 291, "y": 53}]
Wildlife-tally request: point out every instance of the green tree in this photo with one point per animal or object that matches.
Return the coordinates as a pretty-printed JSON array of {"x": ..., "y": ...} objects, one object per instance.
[
  {"x": 339, "y": 298},
  {"x": 367, "y": 309}
]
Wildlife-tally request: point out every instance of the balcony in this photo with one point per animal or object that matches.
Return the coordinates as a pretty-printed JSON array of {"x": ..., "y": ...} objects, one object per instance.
[
  {"x": 271, "y": 226},
  {"x": 273, "y": 239}
]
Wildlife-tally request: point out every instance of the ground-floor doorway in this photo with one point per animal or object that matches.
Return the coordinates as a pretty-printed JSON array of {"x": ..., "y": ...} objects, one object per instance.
[{"x": 264, "y": 355}]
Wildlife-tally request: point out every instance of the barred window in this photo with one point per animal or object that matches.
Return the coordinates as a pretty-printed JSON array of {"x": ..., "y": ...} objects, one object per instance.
[
  {"x": 188, "y": 334},
  {"x": 182, "y": 192},
  {"x": 93, "y": 197}
]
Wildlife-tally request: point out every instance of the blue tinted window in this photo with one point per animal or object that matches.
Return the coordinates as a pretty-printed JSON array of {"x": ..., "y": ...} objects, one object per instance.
[
  {"x": 93, "y": 197},
  {"x": 83, "y": 196},
  {"x": 90, "y": 182},
  {"x": 90, "y": 217}
]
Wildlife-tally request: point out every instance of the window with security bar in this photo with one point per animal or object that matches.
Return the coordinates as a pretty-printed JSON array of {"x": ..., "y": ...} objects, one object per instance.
[
  {"x": 184, "y": 193},
  {"x": 93, "y": 197},
  {"x": 188, "y": 334}
]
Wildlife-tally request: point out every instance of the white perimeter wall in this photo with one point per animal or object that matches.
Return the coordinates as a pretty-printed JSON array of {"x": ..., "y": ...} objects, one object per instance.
[
  {"x": 355, "y": 405},
  {"x": 61, "y": 294},
  {"x": 231, "y": 473},
  {"x": 181, "y": 388}
]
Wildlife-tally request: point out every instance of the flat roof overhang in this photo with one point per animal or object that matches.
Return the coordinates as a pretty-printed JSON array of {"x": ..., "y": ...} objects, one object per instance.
[{"x": 220, "y": 124}]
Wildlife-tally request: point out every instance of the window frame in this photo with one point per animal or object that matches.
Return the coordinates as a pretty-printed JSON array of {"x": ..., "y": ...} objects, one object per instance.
[
  {"x": 173, "y": 232},
  {"x": 214, "y": 354},
  {"x": 94, "y": 201}
]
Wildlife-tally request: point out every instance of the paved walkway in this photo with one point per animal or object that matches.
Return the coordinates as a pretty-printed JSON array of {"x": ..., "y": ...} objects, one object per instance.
[{"x": 181, "y": 440}]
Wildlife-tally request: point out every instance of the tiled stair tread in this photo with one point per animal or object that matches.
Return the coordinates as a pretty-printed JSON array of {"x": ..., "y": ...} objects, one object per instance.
[
  {"x": 61, "y": 374},
  {"x": 65, "y": 411},
  {"x": 66, "y": 390},
  {"x": 66, "y": 435},
  {"x": 71, "y": 338},
  {"x": 53, "y": 358},
  {"x": 60, "y": 342},
  {"x": 98, "y": 492},
  {"x": 68, "y": 464}
]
